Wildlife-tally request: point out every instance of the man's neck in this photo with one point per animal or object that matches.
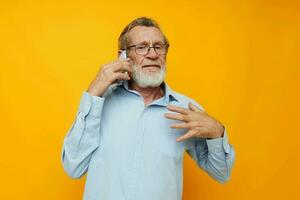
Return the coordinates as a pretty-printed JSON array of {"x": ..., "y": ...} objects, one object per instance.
[{"x": 149, "y": 94}]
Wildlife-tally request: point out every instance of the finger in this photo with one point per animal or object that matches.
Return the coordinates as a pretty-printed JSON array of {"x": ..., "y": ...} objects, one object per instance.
[
  {"x": 121, "y": 66},
  {"x": 180, "y": 117},
  {"x": 112, "y": 66},
  {"x": 177, "y": 109},
  {"x": 186, "y": 136},
  {"x": 112, "y": 63},
  {"x": 182, "y": 125},
  {"x": 121, "y": 76},
  {"x": 122, "y": 60},
  {"x": 194, "y": 108}
]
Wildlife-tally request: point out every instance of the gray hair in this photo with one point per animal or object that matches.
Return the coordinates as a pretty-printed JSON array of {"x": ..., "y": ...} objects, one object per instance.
[{"x": 141, "y": 21}]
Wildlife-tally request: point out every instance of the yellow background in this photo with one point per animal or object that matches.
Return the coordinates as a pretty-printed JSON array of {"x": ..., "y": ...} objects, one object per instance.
[{"x": 239, "y": 59}]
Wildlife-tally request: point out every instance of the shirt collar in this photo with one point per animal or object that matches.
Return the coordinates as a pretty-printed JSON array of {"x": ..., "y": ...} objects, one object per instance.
[{"x": 169, "y": 94}]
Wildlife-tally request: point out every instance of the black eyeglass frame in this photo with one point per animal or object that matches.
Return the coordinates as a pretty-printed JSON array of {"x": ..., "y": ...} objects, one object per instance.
[{"x": 149, "y": 47}]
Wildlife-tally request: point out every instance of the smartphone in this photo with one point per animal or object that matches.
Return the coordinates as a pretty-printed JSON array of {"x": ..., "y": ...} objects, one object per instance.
[{"x": 122, "y": 56}]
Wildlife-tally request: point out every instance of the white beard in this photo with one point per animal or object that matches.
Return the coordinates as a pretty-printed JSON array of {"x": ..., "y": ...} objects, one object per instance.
[{"x": 144, "y": 80}]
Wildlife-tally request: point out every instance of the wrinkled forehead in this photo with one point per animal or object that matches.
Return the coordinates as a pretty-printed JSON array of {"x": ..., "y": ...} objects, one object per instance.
[{"x": 144, "y": 34}]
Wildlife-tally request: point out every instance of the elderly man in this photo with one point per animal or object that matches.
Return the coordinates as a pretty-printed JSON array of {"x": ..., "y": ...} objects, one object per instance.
[{"x": 132, "y": 129}]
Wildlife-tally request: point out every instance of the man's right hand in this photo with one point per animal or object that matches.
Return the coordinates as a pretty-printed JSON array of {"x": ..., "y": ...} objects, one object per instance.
[{"x": 109, "y": 74}]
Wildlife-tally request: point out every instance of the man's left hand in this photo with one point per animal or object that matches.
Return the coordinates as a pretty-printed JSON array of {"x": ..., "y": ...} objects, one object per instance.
[{"x": 199, "y": 123}]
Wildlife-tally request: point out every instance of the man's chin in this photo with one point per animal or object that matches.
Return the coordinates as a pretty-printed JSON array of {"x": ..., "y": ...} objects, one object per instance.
[
  {"x": 149, "y": 86},
  {"x": 147, "y": 83},
  {"x": 150, "y": 73},
  {"x": 151, "y": 70},
  {"x": 146, "y": 78}
]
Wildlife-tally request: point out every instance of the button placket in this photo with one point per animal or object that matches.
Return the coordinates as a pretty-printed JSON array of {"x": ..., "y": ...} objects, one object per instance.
[{"x": 137, "y": 156}]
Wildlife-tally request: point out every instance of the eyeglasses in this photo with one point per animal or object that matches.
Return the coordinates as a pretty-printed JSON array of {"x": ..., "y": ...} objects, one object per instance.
[{"x": 143, "y": 49}]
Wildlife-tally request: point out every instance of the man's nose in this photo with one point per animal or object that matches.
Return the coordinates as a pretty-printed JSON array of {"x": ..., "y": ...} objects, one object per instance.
[{"x": 151, "y": 54}]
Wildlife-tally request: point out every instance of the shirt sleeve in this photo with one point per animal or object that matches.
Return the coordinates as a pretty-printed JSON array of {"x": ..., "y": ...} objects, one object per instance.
[
  {"x": 82, "y": 138},
  {"x": 215, "y": 156}
]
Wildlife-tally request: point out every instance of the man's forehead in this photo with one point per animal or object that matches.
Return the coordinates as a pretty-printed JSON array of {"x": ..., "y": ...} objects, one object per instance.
[{"x": 145, "y": 34}]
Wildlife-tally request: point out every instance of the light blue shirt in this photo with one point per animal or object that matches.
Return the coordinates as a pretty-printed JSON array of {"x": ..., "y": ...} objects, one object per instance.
[{"x": 129, "y": 150}]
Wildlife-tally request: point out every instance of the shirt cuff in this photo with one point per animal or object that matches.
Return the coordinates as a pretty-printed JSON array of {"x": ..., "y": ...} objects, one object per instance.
[
  {"x": 219, "y": 144},
  {"x": 91, "y": 105}
]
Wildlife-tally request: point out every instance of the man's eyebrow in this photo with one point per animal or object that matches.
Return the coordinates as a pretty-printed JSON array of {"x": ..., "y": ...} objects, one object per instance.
[
  {"x": 159, "y": 42},
  {"x": 144, "y": 42},
  {"x": 156, "y": 42}
]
